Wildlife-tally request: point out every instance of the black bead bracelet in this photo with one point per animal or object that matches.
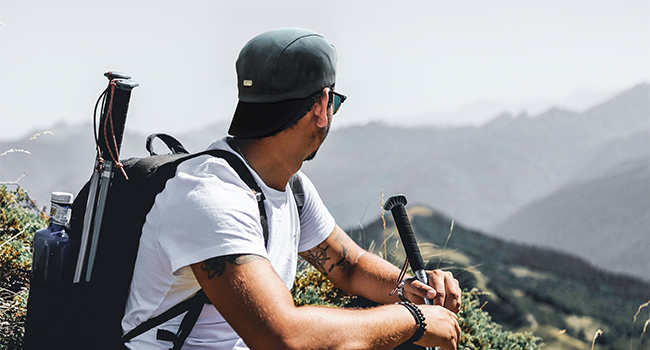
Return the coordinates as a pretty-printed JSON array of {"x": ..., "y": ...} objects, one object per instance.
[
  {"x": 419, "y": 319},
  {"x": 400, "y": 292}
]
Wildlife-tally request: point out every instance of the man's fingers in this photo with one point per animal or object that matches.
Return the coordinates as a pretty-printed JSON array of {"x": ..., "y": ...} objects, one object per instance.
[
  {"x": 443, "y": 290},
  {"x": 421, "y": 290},
  {"x": 452, "y": 301},
  {"x": 437, "y": 282}
]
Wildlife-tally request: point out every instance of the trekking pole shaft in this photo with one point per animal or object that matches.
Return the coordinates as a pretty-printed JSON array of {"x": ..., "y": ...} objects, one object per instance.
[
  {"x": 88, "y": 217},
  {"x": 104, "y": 185}
]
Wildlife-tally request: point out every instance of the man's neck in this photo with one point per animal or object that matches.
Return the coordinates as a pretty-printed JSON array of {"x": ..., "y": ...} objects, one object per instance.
[{"x": 270, "y": 158}]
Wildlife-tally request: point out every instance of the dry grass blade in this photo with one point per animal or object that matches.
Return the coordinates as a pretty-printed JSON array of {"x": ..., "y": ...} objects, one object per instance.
[
  {"x": 633, "y": 322},
  {"x": 8, "y": 291},
  {"x": 14, "y": 236},
  {"x": 472, "y": 269},
  {"x": 14, "y": 150},
  {"x": 593, "y": 342},
  {"x": 451, "y": 229},
  {"x": 639, "y": 310},
  {"x": 383, "y": 220},
  {"x": 645, "y": 326},
  {"x": 40, "y": 134}
]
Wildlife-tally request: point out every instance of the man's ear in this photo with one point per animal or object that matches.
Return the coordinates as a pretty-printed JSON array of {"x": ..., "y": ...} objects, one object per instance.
[{"x": 320, "y": 109}]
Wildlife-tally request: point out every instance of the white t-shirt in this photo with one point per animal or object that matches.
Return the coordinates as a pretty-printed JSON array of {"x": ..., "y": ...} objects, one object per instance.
[{"x": 206, "y": 211}]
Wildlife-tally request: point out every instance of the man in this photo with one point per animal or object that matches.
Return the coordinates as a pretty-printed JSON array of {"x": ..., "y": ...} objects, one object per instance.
[{"x": 204, "y": 230}]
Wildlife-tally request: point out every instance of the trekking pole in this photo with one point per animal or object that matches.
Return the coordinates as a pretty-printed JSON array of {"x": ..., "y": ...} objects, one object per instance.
[
  {"x": 396, "y": 205},
  {"x": 115, "y": 104}
]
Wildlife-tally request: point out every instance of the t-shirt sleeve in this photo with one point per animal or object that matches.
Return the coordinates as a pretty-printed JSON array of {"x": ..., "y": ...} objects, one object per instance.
[
  {"x": 316, "y": 222},
  {"x": 214, "y": 209}
]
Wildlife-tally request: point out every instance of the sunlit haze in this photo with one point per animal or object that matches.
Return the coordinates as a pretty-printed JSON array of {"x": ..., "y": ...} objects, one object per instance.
[{"x": 434, "y": 62}]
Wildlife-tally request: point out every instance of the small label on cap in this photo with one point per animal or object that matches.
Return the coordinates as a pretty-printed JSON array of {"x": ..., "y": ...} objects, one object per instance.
[{"x": 248, "y": 83}]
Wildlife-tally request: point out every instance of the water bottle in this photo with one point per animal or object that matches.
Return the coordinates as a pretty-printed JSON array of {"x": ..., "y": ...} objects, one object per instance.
[{"x": 52, "y": 244}]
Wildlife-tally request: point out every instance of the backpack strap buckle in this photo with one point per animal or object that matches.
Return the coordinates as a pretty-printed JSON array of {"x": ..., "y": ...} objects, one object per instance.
[{"x": 259, "y": 196}]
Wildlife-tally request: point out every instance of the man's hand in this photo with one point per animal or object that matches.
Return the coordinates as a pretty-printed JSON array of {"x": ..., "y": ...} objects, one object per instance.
[
  {"x": 442, "y": 330},
  {"x": 443, "y": 288}
]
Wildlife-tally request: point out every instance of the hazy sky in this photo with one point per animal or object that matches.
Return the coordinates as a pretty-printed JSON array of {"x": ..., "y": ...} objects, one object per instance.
[{"x": 398, "y": 60}]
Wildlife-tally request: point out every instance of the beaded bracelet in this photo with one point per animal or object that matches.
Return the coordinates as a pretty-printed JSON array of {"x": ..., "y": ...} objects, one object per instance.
[
  {"x": 400, "y": 292},
  {"x": 419, "y": 319}
]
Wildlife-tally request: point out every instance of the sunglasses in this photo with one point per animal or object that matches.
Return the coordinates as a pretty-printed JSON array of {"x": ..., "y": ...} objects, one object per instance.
[{"x": 337, "y": 99}]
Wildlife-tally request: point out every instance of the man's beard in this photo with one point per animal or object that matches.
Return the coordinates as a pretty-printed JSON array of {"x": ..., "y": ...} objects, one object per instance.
[{"x": 321, "y": 135}]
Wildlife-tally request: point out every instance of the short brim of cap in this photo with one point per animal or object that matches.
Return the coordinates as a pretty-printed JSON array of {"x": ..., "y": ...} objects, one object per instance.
[{"x": 264, "y": 119}]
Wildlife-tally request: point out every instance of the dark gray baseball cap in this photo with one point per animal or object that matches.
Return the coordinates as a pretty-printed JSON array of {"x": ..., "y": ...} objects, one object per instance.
[{"x": 276, "y": 72}]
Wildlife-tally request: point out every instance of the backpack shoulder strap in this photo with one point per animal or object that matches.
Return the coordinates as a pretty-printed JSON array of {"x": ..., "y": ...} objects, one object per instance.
[
  {"x": 242, "y": 170},
  {"x": 193, "y": 305},
  {"x": 298, "y": 192}
]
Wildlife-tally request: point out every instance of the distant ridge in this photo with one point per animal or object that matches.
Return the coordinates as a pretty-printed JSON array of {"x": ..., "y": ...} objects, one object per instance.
[
  {"x": 570, "y": 218},
  {"x": 481, "y": 176}
]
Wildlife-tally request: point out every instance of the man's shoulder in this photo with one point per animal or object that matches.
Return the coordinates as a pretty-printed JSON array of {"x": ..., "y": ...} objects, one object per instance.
[{"x": 214, "y": 169}]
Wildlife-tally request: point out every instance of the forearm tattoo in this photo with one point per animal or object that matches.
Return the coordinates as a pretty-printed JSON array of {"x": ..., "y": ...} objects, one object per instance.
[
  {"x": 320, "y": 259},
  {"x": 217, "y": 266},
  {"x": 344, "y": 262}
]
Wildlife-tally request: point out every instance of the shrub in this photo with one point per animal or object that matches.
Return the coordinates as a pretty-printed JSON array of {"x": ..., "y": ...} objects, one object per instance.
[
  {"x": 312, "y": 288},
  {"x": 18, "y": 223},
  {"x": 478, "y": 331}
]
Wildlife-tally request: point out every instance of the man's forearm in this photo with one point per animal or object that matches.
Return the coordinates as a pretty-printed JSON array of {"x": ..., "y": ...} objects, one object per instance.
[
  {"x": 353, "y": 269},
  {"x": 374, "y": 278},
  {"x": 382, "y": 327}
]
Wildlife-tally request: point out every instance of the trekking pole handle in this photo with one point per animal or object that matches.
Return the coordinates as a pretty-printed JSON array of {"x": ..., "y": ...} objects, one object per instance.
[
  {"x": 117, "y": 101},
  {"x": 396, "y": 205},
  {"x": 116, "y": 75}
]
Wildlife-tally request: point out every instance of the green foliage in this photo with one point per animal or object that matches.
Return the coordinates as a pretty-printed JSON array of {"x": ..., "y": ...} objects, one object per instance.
[
  {"x": 478, "y": 331},
  {"x": 17, "y": 227},
  {"x": 312, "y": 288}
]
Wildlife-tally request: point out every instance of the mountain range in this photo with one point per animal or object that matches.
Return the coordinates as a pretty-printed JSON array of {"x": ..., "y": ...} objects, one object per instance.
[{"x": 577, "y": 182}]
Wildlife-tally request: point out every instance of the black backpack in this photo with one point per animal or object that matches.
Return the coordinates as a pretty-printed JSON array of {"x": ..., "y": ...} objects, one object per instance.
[{"x": 87, "y": 315}]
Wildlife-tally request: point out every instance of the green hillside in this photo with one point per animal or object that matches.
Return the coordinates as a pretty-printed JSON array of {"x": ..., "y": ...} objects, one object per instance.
[{"x": 561, "y": 298}]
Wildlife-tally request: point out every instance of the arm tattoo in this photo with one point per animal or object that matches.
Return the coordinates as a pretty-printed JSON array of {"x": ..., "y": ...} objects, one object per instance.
[
  {"x": 344, "y": 261},
  {"x": 217, "y": 266},
  {"x": 317, "y": 257}
]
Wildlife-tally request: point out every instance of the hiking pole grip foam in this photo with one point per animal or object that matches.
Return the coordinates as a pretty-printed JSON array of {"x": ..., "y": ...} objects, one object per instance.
[
  {"x": 396, "y": 205},
  {"x": 117, "y": 101}
]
